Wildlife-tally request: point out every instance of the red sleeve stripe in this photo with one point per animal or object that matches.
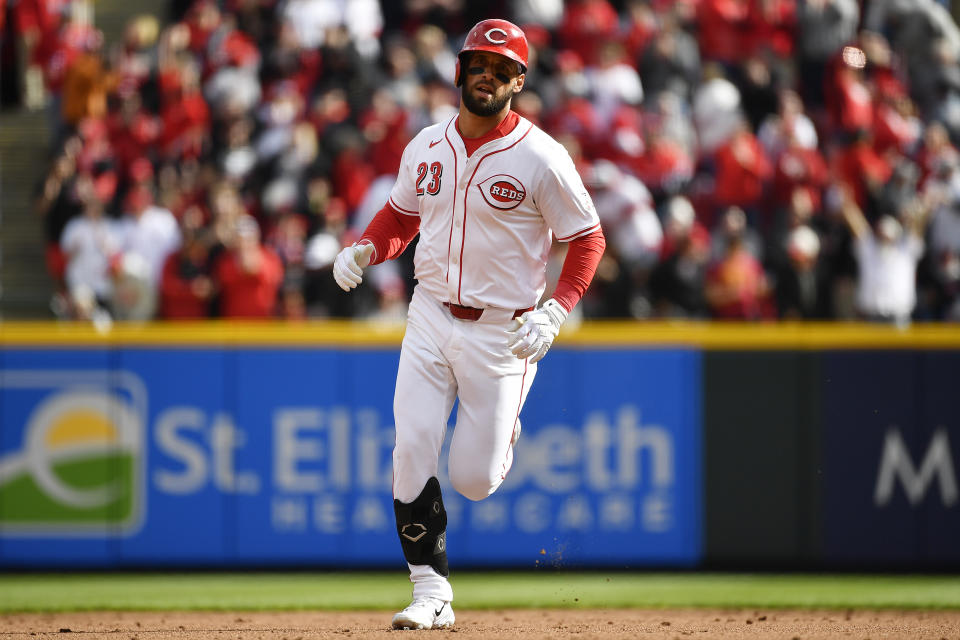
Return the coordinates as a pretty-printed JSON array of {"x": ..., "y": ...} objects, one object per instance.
[
  {"x": 579, "y": 233},
  {"x": 401, "y": 209},
  {"x": 390, "y": 232},
  {"x": 579, "y": 266}
]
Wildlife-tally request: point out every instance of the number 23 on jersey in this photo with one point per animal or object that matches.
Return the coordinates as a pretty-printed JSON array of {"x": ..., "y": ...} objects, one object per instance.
[{"x": 435, "y": 171}]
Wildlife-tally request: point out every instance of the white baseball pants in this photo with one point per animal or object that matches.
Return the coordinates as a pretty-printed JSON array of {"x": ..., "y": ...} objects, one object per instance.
[{"x": 443, "y": 358}]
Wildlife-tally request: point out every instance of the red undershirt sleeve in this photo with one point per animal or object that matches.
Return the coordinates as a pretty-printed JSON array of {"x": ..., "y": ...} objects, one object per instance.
[
  {"x": 390, "y": 232},
  {"x": 581, "y": 262}
]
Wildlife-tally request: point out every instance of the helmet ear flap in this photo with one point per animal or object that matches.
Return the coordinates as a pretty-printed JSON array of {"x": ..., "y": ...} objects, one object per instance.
[{"x": 463, "y": 60}]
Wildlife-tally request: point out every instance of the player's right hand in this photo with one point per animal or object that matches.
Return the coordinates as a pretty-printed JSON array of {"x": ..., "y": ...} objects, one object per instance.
[{"x": 349, "y": 265}]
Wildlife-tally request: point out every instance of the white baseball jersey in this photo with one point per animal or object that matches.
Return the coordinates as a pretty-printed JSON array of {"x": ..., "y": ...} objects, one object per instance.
[
  {"x": 487, "y": 221},
  {"x": 486, "y": 225}
]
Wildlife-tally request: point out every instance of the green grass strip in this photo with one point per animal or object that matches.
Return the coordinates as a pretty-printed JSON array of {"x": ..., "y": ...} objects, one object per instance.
[{"x": 327, "y": 591}]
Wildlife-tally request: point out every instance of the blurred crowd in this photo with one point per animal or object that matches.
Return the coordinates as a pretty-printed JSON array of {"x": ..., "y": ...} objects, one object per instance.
[{"x": 749, "y": 159}]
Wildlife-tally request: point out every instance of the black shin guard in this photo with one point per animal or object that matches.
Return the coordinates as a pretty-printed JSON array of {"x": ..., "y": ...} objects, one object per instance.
[{"x": 422, "y": 527}]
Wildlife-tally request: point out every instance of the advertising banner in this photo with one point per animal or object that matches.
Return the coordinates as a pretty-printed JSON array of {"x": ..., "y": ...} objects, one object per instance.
[
  {"x": 282, "y": 457},
  {"x": 891, "y": 449}
]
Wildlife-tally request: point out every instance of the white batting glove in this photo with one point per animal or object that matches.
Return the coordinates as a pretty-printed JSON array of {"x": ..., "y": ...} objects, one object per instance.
[
  {"x": 533, "y": 333},
  {"x": 349, "y": 265}
]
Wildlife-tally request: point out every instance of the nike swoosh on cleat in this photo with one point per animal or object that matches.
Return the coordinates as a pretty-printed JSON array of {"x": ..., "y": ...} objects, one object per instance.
[
  {"x": 440, "y": 610},
  {"x": 435, "y": 143}
]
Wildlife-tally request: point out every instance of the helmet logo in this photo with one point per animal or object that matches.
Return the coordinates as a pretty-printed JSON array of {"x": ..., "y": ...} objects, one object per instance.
[{"x": 490, "y": 37}]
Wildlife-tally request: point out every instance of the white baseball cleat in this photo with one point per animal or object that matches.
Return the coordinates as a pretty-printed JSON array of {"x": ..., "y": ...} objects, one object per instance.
[{"x": 425, "y": 613}]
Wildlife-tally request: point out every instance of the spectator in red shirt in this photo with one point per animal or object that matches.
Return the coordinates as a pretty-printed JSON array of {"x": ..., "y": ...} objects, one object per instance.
[
  {"x": 576, "y": 116},
  {"x": 39, "y": 23},
  {"x": 641, "y": 25},
  {"x": 736, "y": 285},
  {"x": 743, "y": 172},
  {"x": 772, "y": 25},
  {"x": 896, "y": 125},
  {"x": 849, "y": 97},
  {"x": 384, "y": 126},
  {"x": 132, "y": 131},
  {"x": 799, "y": 167},
  {"x": 665, "y": 167},
  {"x": 352, "y": 175},
  {"x": 248, "y": 275},
  {"x": 721, "y": 28},
  {"x": 289, "y": 240},
  {"x": 862, "y": 169},
  {"x": 202, "y": 19},
  {"x": 586, "y": 25},
  {"x": 185, "y": 285},
  {"x": 185, "y": 115}
]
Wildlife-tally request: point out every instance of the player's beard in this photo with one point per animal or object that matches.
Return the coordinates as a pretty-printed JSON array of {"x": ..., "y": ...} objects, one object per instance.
[{"x": 483, "y": 109}]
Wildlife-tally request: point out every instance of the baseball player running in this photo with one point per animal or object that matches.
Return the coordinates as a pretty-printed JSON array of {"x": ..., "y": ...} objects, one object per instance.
[{"x": 487, "y": 191}]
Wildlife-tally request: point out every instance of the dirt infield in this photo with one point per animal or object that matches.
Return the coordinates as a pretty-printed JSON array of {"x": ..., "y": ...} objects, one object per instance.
[{"x": 527, "y": 624}]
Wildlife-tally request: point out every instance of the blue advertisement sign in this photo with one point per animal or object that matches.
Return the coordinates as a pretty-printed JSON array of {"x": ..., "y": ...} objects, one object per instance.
[
  {"x": 282, "y": 457},
  {"x": 891, "y": 449}
]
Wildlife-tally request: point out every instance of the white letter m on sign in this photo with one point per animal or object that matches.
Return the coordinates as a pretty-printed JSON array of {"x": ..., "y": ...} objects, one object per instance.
[{"x": 896, "y": 463}]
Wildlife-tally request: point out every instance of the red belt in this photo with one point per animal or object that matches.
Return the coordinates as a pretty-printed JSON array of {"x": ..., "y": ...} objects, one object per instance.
[{"x": 469, "y": 313}]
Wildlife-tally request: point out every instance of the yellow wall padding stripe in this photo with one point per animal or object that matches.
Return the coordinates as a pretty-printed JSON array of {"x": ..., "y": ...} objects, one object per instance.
[
  {"x": 601, "y": 334},
  {"x": 768, "y": 336}
]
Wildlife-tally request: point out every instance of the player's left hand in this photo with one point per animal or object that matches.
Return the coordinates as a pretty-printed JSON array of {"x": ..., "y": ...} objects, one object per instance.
[{"x": 533, "y": 333}]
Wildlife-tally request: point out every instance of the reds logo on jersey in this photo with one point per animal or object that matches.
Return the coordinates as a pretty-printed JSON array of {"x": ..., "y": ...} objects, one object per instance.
[{"x": 502, "y": 191}]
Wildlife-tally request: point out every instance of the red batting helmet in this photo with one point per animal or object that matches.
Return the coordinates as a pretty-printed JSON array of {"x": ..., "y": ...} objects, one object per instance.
[{"x": 495, "y": 36}]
